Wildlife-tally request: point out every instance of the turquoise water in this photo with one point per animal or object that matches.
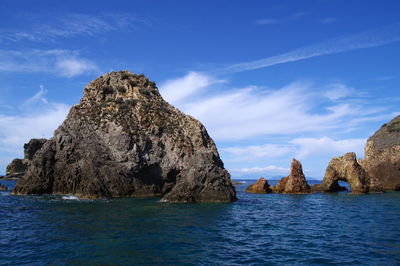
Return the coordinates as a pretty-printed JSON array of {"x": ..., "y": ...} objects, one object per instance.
[{"x": 337, "y": 228}]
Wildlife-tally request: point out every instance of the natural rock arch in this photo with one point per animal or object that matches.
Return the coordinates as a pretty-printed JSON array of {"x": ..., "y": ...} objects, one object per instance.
[{"x": 344, "y": 168}]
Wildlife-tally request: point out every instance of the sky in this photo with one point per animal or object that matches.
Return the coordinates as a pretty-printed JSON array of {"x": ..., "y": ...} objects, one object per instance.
[{"x": 270, "y": 80}]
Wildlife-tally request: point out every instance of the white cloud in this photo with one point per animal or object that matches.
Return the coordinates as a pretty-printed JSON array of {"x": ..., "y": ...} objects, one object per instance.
[
  {"x": 60, "y": 62},
  {"x": 337, "y": 91},
  {"x": 71, "y": 66},
  {"x": 328, "y": 147},
  {"x": 176, "y": 90},
  {"x": 38, "y": 119},
  {"x": 372, "y": 38},
  {"x": 235, "y": 114},
  {"x": 256, "y": 151},
  {"x": 270, "y": 169},
  {"x": 70, "y": 25},
  {"x": 271, "y": 21}
]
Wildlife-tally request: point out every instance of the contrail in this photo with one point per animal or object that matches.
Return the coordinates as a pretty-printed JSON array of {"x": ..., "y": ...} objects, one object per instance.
[{"x": 367, "y": 39}]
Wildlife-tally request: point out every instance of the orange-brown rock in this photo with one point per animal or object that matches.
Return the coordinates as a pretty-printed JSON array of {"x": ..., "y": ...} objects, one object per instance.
[
  {"x": 3, "y": 187},
  {"x": 295, "y": 182},
  {"x": 344, "y": 168},
  {"x": 260, "y": 187}
]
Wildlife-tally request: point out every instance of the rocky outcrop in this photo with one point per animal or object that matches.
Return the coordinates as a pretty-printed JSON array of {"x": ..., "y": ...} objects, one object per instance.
[
  {"x": 3, "y": 187},
  {"x": 346, "y": 168},
  {"x": 124, "y": 140},
  {"x": 382, "y": 155},
  {"x": 295, "y": 183},
  {"x": 260, "y": 187},
  {"x": 18, "y": 167},
  {"x": 32, "y": 147}
]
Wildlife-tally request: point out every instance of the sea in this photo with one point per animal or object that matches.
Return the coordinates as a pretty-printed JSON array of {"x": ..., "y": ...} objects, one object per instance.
[{"x": 258, "y": 229}]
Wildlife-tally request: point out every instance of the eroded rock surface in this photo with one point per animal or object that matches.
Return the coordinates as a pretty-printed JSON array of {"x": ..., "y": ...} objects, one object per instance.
[
  {"x": 32, "y": 147},
  {"x": 124, "y": 140},
  {"x": 382, "y": 155},
  {"x": 260, "y": 187},
  {"x": 295, "y": 182},
  {"x": 344, "y": 168},
  {"x": 18, "y": 167}
]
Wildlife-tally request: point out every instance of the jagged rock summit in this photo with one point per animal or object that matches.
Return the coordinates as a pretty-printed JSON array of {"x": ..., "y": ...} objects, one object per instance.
[
  {"x": 124, "y": 140},
  {"x": 18, "y": 167},
  {"x": 295, "y": 182},
  {"x": 382, "y": 155}
]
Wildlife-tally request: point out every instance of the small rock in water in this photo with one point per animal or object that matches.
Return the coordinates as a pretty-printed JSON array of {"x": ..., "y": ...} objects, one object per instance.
[{"x": 260, "y": 187}]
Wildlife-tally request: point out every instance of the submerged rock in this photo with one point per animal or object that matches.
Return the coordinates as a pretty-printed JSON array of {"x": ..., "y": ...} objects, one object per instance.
[
  {"x": 124, "y": 140},
  {"x": 260, "y": 187},
  {"x": 344, "y": 168},
  {"x": 382, "y": 155},
  {"x": 295, "y": 182},
  {"x": 3, "y": 187}
]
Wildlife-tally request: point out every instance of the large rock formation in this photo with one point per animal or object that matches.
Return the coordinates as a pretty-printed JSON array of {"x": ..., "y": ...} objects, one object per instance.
[
  {"x": 260, "y": 187},
  {"x": 295, "y": 182},
  {"x": 18, "y": 167},
  {"x": 124, "y": 140},
  {"x": 382, "y": 155},
  {"x": 345, "y": 168}
]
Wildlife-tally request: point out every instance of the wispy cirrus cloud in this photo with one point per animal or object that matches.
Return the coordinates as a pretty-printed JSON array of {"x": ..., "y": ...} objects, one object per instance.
[
  {"x": 328, "y": 20},
  {"x": 270, "y": 169},
  {"x": 367, "y": 39},
  {"x": 45, "y": 28},
  {"x": 250, "y": 112},
  {"x": 264, "y": 151},
  {"x": 271, "y": 21},
  {"x": 38, "y": 118},
  {"x": 60, "y": 62},
  {"x": 326, "y": 146}
]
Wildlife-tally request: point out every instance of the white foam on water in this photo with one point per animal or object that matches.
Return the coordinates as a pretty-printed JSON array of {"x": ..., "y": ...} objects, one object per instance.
[{"x": 70, "y": 197}]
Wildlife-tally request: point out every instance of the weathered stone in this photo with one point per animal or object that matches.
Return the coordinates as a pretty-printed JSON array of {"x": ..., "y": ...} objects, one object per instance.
[
  {"x": 124, "y": 140},
  {"x": 17, "y": 167},
  {"x": 345, "y": 168},
  {"x": 382, "y": 156},
  {"x": 260, "y": 187},
  {"x": 32, "y": 147},
  {"x": 295, "y": 182},
  {"x": 3, "y": 187}
]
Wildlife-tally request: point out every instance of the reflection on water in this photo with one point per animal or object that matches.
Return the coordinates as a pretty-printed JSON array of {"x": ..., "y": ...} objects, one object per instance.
[{"x": 334, "y": 228}]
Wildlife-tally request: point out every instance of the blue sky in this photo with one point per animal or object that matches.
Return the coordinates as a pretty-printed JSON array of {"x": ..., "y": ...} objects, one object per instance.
[{"x": 271, "y": 80}]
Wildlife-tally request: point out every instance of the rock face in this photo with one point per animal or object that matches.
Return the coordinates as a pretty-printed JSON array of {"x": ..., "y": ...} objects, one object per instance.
[
  {"x": 295, "y": 182},
  {"x": 260, "y": 187},
  {"x": 382, "y": 155},
  {"x": 124, "y": 140},
  {"x": 32, "y": 147},
  {"x": 18, "y": 167},
  {"x": 345, "y": 168},
  {"x": 3, "y": 187}
]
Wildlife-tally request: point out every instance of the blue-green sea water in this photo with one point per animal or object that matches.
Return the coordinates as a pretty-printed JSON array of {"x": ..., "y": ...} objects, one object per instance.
[{"x": 316, "y": 229}]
